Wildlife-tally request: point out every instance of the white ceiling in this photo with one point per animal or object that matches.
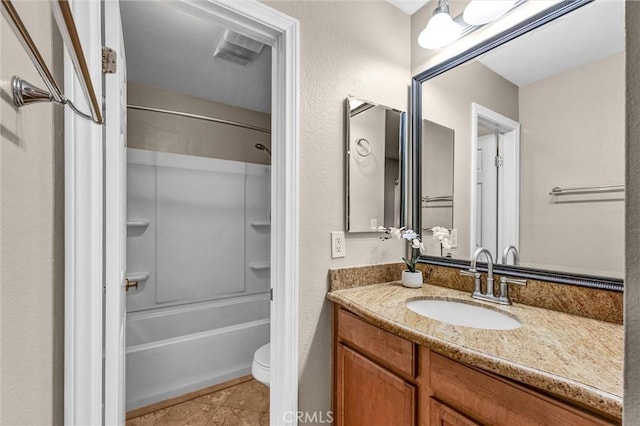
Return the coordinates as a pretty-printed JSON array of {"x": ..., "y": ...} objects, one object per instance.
[
  {"x": 173, "y": 50},
  {"x": 408, "y": 6},
  {"x": 593, "y": 32}
]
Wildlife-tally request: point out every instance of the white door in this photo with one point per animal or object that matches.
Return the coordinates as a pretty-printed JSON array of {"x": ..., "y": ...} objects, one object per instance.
[
  {"x": 508, "y": 191},
  {"x": 487, "y": 193},
  {"x": 115, "y": 220}
]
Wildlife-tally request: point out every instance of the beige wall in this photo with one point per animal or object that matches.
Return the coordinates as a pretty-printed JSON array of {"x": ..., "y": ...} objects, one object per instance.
[
  {"x": 572, "y": 133},
  {"x": 447, "y": 101},
  {"x": 357, "y": 48},
  {"x": 632, "y": 221},
  {"x": 31, "y": 234},
  {"x": 169, "y": 133}
]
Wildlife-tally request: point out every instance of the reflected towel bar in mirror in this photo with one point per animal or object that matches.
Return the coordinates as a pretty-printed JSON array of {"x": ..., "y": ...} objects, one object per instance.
[
  {"x": 586, "y": 189},
  {"x": 25, "y": 93},
  {"x": 428, "y": 199}
]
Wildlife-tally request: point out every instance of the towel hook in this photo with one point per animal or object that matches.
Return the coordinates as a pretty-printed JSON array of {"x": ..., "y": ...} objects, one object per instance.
[{"x": 363, "y": 147}]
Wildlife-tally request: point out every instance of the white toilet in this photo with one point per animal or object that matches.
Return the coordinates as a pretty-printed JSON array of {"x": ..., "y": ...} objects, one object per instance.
[{"x": 260, "y": 368}]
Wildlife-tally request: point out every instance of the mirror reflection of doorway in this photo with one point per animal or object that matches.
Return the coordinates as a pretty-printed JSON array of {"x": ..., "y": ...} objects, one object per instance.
[{"x": 495, "y": 179}]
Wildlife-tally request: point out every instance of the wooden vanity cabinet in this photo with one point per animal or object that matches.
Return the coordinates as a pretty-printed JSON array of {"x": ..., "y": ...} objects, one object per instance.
[
  {"x": 494, "y": 400},
  {"x": 381, "y": 379},
  {"x": 374, "y": 376}
]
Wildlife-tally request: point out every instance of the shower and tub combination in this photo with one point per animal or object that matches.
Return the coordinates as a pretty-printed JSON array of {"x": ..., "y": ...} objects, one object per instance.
[{"x": 198, "y": 240}]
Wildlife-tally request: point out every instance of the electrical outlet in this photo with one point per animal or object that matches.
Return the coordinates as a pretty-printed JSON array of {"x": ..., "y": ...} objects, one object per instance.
[
  {"x": 374, "y": 225},
  {"x": 338, "y": 246},
  {"x": 453, "y": 238}
]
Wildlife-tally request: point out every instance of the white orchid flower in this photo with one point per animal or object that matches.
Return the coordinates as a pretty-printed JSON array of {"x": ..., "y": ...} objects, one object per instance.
[
  {"x": 446, "y": 243},
  {"x": 382, "y": 229},
  {"x": 440, "y": 232},
  {"x": 396, "y": 233},
  {"x": 409, "y": 235},
  {"x": 417, "y": 244}
]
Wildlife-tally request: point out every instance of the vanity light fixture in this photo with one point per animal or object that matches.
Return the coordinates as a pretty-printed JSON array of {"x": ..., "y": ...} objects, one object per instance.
[
  {"x": 480, "y": 12},
  {"x": 441, "y": 30}
]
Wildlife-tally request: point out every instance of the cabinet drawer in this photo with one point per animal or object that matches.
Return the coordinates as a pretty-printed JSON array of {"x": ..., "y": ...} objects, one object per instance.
[
  {"x": 492, "y": 400},
  {"x": 395, "y": 352}
]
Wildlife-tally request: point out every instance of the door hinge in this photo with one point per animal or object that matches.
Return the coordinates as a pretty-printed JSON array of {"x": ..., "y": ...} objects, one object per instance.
[
  {"x": 499, "y": 161},
  {"x": 271, "y": 294},
  {"x": 109, "y": 60}
]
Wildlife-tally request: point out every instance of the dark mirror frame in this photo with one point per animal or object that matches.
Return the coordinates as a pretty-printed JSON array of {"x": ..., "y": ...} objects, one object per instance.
[{"x": 536, "y": 21}]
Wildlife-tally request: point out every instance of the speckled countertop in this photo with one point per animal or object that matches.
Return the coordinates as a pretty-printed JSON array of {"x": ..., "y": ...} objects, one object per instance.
[{"x": 573, "y": 357}]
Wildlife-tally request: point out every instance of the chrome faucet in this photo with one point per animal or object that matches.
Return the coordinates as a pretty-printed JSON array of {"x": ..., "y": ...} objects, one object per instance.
[
  {"x": 473, "y": 271},
  {"x": 488, "y": 295},
  {"x": 505, "y": 255},
  {"x": 505, "y": 281}
]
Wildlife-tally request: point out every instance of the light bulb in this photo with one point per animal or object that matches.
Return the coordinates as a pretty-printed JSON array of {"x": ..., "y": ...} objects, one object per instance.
[
  {"x": 439, "y": 32},
  {"x": 480, "y": 12}
]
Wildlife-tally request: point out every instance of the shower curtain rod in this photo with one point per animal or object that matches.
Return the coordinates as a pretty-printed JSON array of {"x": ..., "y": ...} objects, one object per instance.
[{"x": 201, "y": 117}]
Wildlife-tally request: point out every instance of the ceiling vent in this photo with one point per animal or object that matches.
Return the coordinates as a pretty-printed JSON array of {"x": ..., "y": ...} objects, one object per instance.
[{"x": 238, "y": 48}]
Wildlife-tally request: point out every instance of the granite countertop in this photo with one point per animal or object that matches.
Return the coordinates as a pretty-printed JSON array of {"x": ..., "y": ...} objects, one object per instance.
[{"x": 574, "y": 357}]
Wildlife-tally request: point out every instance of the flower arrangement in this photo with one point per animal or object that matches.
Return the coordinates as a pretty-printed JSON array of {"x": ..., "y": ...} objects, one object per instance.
[
  {"x": 412, "y": 238},
  {"x": 442, "y": 234}
]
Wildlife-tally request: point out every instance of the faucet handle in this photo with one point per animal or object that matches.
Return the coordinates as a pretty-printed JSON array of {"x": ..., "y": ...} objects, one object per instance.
[
  {"x": 504, "y": 288},
  {"x": 509, "y": 280}
]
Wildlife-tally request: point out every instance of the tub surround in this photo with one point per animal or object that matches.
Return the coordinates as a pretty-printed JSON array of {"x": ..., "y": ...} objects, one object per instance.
[
  {"x": 198, "y": 243},
  {"x": 592, "y": 303},
  {"x": 575, "y": 358}
]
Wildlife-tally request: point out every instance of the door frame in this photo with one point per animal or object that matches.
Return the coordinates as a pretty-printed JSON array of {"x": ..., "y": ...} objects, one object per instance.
[
  {"x": 508, "y": 180},
  {"x": 85, "y": 211}
]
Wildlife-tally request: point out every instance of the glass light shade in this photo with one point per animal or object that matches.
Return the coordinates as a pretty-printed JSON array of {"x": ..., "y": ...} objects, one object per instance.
[
  {"x": 480, "y": 12},
  {"x": 439, "y": 32}
]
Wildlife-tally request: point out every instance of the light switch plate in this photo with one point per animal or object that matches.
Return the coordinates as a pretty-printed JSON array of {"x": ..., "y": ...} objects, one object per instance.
[{"x": 338, "y": 246}]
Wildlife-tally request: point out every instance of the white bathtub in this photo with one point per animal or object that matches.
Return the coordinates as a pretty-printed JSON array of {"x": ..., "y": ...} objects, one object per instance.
[{"x": 175, "y": 350}]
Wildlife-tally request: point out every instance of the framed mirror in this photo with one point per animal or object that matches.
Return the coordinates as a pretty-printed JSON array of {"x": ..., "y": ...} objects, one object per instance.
[
  {"x": 375, "y": 145},
  {"x": 536, "y": 114}
]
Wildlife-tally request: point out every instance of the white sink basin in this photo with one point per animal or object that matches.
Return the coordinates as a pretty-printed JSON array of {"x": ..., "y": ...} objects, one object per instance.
[{"x": 463, "y": 313}]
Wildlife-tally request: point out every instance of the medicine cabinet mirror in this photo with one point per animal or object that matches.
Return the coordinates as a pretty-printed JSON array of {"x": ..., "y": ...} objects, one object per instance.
[
  {"x": 375, "y": 145},
  {"x": 536, "y": 118}
]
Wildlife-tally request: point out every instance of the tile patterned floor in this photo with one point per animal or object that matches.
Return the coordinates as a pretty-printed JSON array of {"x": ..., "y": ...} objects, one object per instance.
[{"x": 246, "y": 404}]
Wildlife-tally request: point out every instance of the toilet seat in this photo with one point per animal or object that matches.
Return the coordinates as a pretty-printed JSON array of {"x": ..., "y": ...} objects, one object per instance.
[{"x": 260, "y": 368}]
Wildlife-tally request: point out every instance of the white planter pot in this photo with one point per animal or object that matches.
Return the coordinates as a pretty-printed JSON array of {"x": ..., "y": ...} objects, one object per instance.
[{"x": 412, "y": 279}]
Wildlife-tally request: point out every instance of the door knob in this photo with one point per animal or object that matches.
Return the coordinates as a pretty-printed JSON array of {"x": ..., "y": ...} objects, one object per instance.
[{"x": 129, "y": 284}]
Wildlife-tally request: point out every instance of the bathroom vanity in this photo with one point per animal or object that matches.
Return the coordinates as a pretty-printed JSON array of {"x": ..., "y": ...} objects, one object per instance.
[{"x": 393, "y": 366}]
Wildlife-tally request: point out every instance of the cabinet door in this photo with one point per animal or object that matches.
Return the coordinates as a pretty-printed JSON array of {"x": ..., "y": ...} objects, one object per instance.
[
  {"x": 441, "y": 415},
  {"x": 369, "y": 395}
]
